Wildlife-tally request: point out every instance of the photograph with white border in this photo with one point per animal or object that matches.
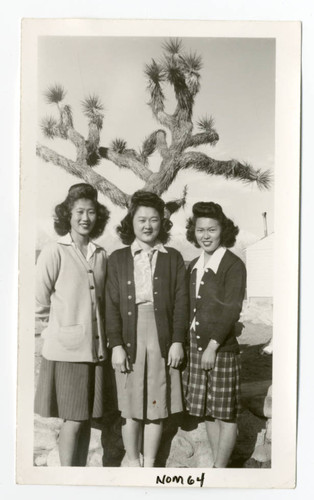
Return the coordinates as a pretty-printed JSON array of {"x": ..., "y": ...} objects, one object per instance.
[{"x": 194, "y": 111}]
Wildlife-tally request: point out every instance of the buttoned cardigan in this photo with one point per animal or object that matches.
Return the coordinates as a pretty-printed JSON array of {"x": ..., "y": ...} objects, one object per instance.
[
  {"x": 218, "y": 305},
  {"x": 170, "y": 295},
  {"x": 70, "y": 302}
]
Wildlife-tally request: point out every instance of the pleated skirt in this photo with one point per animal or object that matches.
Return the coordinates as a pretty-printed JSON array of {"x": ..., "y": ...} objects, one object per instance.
[
  {"x": 150, "y": 390},
  {"x": 72, "y": 391},
  {"x": 214, "y": 393}
]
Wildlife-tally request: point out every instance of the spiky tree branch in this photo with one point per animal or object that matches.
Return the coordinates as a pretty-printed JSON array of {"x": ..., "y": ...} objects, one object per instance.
[
  {"x": 92, "y": 109},
  {"x": 155, "y": 75},
  {"x": 55, "y": 94},
  {"x": 208, "y": 134},
  {"x": 125, "y": 158},
  {"x": 63, "y": 128},
  {"x": 155, "y": 141},
  {"x": 87, "y": 174},
  {"x": 89, "y": 151},
  {"x": 202, "y": 138},
  {"x": 231, "y": 169},
  {"x": 181, "y": 71}
]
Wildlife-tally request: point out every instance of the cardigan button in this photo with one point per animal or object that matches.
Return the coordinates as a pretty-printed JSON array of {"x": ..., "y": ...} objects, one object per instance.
[
  {"x": 129, "y": 282},
  {"x": 200, "y": 348},
  {"x": 92, "y": 287},
  {"x": 155, "y": 293},
  {"x": 198, "y": 337},
  {"x": 97, "y": 337},
  {"x": 202, "y": 282},
  {"x": 101, "y": 357},
  {"x": 197, "y": 322},
  {"x": 156, "y": 277},
  {"x": 128, "y": 344},
  {"x": 199, "y": 297},
  {"x": 129, "y": 297},
  {"x": 89, "y": 271},
  {"x": 129, "y": 313},
  {"x": 194, "y": 310},
  {"x": 206, "y": 270}
]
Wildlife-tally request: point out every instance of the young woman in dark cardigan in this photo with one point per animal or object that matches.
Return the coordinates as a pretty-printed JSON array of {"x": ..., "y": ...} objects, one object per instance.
[
  {"x": 146, "y": 322},
  {"x": 217, "y": 281}
]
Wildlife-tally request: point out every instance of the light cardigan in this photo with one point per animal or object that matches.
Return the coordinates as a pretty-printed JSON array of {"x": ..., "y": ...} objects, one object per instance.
[{"x": 69, "y": 301}]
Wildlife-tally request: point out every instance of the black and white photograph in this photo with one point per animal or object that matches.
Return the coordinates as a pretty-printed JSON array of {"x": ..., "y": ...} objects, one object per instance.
[{"x": 156, "y": 178}]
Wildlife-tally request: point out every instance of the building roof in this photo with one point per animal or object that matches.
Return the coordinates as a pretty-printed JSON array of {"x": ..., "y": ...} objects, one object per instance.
[{"x": 262, "y": 244}]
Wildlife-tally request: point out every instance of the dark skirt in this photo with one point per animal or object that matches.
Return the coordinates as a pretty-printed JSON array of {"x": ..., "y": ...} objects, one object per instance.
[
  {"x": 151, "y": 390},
  {"x": 214, "y": 393},
  {"x": 72, "y": 391}
]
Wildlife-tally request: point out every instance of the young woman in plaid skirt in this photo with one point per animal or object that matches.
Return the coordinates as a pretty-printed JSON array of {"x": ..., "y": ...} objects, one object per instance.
[{"x": 217, "y": 281}]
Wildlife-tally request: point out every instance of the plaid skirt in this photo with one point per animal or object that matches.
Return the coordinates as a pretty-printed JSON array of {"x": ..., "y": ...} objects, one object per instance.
[
  {"x": 214, "y": 393},
  {"x": 73, "y": 391}
]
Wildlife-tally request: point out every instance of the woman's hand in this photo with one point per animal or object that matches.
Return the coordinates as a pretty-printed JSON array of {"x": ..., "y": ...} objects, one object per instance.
[
  {"x": 209, "y": 356},
  {"x": 175, "y": 355},
  {"x": 119, "y": 359}
]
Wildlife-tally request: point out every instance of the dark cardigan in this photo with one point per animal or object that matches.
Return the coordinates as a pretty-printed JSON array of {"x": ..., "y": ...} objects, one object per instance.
[
  {"x": 170, "y": 294},
  {"x": 219, "y": 302}
]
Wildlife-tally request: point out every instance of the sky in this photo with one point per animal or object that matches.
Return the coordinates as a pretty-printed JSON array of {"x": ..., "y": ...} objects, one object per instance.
[{"x": 237, "y": 89}]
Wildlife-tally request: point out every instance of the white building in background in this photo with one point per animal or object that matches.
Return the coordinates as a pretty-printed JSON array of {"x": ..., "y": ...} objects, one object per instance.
[{"x": 259, "y": 265}]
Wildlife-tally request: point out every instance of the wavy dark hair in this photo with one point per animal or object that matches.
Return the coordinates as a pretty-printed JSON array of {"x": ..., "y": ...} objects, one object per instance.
[
  {"x": 212, "y": 210},
  {"x": 144, "y": 199},
  {"x": 62, "y": 217}
]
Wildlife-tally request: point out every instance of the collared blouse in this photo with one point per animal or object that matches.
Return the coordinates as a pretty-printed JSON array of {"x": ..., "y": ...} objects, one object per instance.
[{"x": 144, "y": 268}]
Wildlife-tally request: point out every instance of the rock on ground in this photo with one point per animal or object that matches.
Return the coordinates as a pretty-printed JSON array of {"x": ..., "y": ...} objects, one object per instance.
[{"x": 184, "y": 444}]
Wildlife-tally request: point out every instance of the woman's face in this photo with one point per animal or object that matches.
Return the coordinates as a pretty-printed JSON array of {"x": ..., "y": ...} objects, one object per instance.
[
  {"x": 83, "y": 217},
  {"x": 146, "y": 225},
  {"x": 207, "y": 234}
]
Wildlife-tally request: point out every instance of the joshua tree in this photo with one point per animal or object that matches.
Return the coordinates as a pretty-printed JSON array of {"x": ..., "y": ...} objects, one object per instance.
[{"x": 173, "y": 141}]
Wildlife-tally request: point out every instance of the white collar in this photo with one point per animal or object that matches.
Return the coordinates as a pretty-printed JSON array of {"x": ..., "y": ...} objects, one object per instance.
[
  {"x": 136, "y": 247},
  {"x": 212, "y": 263},
  {"x": 67, "y": 240}
]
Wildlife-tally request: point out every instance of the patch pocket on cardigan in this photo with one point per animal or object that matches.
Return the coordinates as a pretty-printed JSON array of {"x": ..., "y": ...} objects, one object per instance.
[{"x": 71, "y": 337}]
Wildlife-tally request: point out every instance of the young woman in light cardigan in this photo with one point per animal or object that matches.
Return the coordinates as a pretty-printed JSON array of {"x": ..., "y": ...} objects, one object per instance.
[
  {"x": 217, "y": 281},
  {"x": 146, "y": 321},
  {"x": 69, "y": 305}
]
